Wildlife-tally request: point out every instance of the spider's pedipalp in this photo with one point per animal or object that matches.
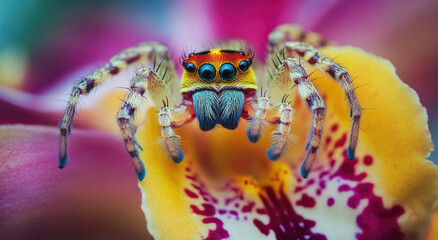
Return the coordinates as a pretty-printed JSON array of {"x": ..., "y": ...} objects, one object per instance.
[
  {"x": 338, "y": 73},
  {"x": 257, "y": 123},
  {"x": 281, "y": 136}
]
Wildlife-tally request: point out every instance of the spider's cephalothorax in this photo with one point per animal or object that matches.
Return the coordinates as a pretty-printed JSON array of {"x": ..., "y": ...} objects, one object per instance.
[
  {"x": 219, "y": 87},
  {"x": 218, "y": 82}
]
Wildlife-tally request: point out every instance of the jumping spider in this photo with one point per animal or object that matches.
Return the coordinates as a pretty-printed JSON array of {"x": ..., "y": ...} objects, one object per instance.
[{"x": 219, "y": 86}]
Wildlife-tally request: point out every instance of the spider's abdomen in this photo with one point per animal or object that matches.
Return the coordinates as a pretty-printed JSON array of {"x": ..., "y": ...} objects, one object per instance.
[{"x": 224, "y": 108}]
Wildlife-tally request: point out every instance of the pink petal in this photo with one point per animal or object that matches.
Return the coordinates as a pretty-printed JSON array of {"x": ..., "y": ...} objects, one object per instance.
[{"x": 95, "y": 196}]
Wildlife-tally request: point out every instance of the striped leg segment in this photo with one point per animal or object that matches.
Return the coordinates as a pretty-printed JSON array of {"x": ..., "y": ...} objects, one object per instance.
[
  {"x": 285, "y": 33},
  {"x": 142, "y": 52},
  {"x": 148, "y": 80},
  {"x": 293, "y": 32},
  {"x": 338, "y": 73},
  {"x": 291, "y": 70}
]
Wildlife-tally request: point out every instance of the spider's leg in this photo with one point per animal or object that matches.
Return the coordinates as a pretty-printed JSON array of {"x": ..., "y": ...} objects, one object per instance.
[
  {"x": 289, "y": 32},
  {"x": 142, "y": 52},
  {"x": 147, "y": 79},
  {"x": 291, "y": 73},
  {"x": 338, "y": 73}
]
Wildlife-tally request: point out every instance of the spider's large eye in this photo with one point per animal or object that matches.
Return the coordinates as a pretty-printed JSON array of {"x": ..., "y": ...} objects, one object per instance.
[
  {"x": 190, "y": 67},
  {"x": 244, "y": 65},
  {"x": 227, "y": 71},
  {"x": 207, "y": 72}
]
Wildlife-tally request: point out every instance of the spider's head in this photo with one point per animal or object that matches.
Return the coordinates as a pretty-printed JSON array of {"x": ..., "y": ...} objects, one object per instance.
[{"x": 218, "y": 69}]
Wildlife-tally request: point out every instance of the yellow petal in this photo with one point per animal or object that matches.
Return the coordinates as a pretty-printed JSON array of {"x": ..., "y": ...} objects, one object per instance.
[{"x": 227, "y": 187}]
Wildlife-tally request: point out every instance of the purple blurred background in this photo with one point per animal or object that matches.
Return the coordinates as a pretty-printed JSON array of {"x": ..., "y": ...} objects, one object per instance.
[{"x": 46, "y": 43}]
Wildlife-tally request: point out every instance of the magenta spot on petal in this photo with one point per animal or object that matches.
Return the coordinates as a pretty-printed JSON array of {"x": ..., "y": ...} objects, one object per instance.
[
  {"x": 353, "y": 202},
  {"x": 322, "y": 174},
  {"x": 330, "y": 202},
  {"x": 235, "y": 213},
  {"x": 328, "y": 140},
  {"x": 376, "y": 221},
  {"x": 261, "y": 211},
  {"x": 222, "y": 211},
  {"x": 301, "y": 188},
  {"x": 322, "y": 185},
  {"x": 332, "y": 163},
  {"x": 343, "y": 188},
  {"x": 219, "y": 232},
  {"x": 236, "y": 205},
  {"x": 284, "y": 221},
  {"x": 341, "y": 142},
  {"x": 208, "y": 209},
  {"x": 346, "y": 170},
  {"x": 334, "y": 127},
  {"x": 318, "y": 192},
  {"x": 330, "y": 154},
  {"x": 190, "y": 193},
  {"x": 306, "y": 201},
  {"x": 364, "y": 189},
  {"x": 248, "y": 208},
  {"x": 192, "y": 177},
  {"x": 368, "y": 160}
]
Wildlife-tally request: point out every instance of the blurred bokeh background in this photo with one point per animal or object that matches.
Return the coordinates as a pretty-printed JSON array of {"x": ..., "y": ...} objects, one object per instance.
[{"x": 47, "y": 45}]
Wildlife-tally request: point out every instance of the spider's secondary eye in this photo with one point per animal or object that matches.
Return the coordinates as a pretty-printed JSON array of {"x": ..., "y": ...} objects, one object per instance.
[
  {"x": 191, "y": 54},
  {"x": 244, "y": 65},
  {"x": 184, "y": 62},
  {"x": 207, "y": 72},
  {"x": 249, "y": 60},
  {"x": 227, "y": 71},
  {"x": 190, "y": 67}
]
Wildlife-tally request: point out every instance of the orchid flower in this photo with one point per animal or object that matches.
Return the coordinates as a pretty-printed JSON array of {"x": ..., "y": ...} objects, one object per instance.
[{"x": 226, "y": 188}]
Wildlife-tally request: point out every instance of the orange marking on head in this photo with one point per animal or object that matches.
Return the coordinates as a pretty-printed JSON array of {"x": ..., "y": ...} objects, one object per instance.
[
  {"x": 244, "y": 78},
  {"x": 218, "y": 56}
]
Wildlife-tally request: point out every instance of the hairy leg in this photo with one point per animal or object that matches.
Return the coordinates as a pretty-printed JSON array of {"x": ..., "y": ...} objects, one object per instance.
[
  {"x": 142, "y": 52},
  {"x": 285, "y": 33},
  {"x": 289, "y": 74},
  {"x": 338, "y": 73},
  {"x": 148, "y": 80}
]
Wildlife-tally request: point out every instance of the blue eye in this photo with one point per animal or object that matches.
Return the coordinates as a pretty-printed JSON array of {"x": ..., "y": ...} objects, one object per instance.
[
  {"x": 227, "y": 71},
  {"x": 244, "y": 65},
  {"x": 207, "y": 72},
  {"x": 190, "y": 67}
]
